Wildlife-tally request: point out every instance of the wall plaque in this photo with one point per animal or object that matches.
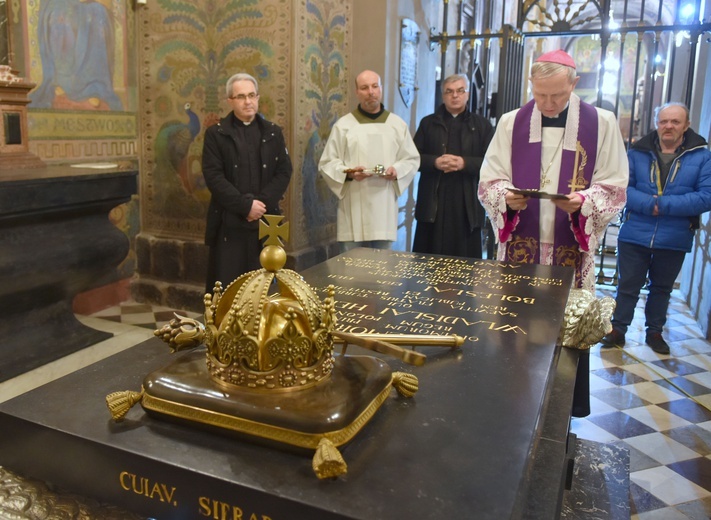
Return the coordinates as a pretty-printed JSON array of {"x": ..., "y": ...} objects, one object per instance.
[{"x": 409, "y": 38}]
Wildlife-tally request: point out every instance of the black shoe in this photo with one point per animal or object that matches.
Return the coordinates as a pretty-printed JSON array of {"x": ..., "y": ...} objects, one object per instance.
[
  {"x": 656, "y": 341},
  {"x": 613, "y": 339}
]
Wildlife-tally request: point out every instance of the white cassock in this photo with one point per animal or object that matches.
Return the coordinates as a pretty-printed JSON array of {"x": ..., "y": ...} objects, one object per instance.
[
  {"x": 368, "y": 209},
  {"x": 603, "y": 200}
]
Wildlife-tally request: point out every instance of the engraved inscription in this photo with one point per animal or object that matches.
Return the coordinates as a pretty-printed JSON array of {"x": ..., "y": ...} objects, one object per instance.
[
  {"x": 147, "y": 488},
  {"x": 218, "y": 510},
  {"x": 407, "y": 293}
]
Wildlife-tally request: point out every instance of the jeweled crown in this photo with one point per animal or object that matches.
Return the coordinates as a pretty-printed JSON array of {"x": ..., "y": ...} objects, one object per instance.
[{"x": 268, "y": 330}]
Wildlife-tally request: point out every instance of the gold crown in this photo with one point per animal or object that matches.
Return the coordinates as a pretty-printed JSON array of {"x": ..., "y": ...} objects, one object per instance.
[{"x": 261, "y": 341}]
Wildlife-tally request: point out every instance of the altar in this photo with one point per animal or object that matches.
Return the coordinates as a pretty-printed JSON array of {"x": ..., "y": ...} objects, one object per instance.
[{"x": 486, "y": 435}]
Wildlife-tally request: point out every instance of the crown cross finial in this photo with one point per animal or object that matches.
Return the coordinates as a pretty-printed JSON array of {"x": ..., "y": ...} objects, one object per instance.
[{"x": 275, "y": 232}]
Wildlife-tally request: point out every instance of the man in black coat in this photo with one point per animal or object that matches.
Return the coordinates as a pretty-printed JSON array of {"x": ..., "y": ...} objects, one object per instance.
[
  {"x": 452, "y": 143},
  {"x": 247, "y": 169}
]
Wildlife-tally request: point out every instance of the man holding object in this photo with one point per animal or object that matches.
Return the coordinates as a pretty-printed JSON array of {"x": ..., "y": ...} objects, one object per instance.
[{"x": 562, "y": 145}]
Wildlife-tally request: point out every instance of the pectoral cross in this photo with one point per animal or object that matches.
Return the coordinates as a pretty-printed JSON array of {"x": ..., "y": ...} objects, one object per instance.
[
  {"x": 545, "y": 182},
  {"x": 578, "y": 181},
  {"x": 276, "y": 234}
]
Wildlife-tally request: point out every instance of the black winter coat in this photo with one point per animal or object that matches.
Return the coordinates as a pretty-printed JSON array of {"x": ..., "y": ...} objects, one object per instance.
[
  {"x": 231, "y": 202},
  {"x": 431, "y": 141}
]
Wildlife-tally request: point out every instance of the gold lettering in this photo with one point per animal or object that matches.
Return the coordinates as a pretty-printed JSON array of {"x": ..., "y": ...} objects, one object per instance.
[
  {"x": 386, "y": 282},
  {"x": 510, "y": 328},
  {"x": 351, "y": 306},
  {"x": 143, "y": 486},
  {"x": 204, "y": 505},
  {"x": 358, "y": 330},
  {"x": 168, "y": 493},
  {"x": 218, "y": 510},
  {"x": 122, "y": 477}
]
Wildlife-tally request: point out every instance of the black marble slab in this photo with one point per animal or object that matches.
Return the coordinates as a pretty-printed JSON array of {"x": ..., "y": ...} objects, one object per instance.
[
  {"x": 56, "y": 241},
  {"x": 484, "y": 437},
  {"x": 601, "y": 483}
]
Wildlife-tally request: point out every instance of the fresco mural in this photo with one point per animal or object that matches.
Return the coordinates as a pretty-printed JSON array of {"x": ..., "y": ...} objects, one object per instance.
[
  {"x": 77, "y": 55},
  {"x": 190, "y": 50},
  {"x": 77, "y": 50}
]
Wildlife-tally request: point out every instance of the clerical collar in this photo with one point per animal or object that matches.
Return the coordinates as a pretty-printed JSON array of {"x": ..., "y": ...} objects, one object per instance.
[
  {"x": 237, "y": 122},
  {"x": 557, "y": 121},
  {"x": 448, "y": 114},
  {"x": 372, "y": 116}
]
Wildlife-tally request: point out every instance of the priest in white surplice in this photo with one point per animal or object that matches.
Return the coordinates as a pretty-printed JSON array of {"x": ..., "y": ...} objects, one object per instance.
[
  {"x": 562, "y": 146},
  {"x": 368, "y": 137}
]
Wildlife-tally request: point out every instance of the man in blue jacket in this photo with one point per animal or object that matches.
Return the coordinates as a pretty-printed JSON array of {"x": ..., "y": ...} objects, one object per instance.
[{"x": 669, "y": 188}]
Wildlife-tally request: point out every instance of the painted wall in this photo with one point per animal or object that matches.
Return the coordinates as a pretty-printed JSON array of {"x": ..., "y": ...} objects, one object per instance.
[
  {"x": 298, "y": 51},
  {"x": 377, "y": 38},
  {"x": 81, "y": 57},
  {"x": 306, "y": 55}
]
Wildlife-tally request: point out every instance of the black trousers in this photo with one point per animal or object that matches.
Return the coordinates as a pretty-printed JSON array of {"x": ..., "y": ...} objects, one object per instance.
[{"x": 235, "y": 252}]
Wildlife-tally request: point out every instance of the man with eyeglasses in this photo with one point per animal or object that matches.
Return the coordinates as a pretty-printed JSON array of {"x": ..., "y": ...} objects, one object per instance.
[
  {"x": 368, "y": 162},
  {"x": 560, "y": 147},
  {"x": 669, "y": 188},
  {"x": 452, "y": 143},
  {"x": 247, "y": 169}
]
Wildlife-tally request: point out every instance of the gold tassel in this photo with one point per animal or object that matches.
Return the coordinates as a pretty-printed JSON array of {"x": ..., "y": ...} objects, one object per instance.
[
  {"x": 406, "y": 384},
  {"x": 120, "y": 403},
  {"x": 328, "y": 461}
]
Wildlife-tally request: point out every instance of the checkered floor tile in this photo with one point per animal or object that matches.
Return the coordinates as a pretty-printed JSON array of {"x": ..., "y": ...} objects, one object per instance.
[
  {"x": 142, "y": 314},
  {"x": 659, "y": 408}
]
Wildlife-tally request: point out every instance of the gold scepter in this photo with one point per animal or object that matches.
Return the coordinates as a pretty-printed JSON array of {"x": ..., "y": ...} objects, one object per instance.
[{"x": 388, "y": 344}]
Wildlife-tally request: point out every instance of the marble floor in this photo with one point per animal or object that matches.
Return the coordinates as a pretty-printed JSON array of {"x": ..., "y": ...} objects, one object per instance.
[
  {"x": 655, "y": 406},
  {"x": 659, "y": 408}
]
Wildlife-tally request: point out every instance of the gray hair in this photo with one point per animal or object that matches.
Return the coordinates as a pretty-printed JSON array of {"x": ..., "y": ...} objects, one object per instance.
[
  {"x": 453, "y": 78},
  {"x": 240, "y": 76},
  {"x": 667, "y": 105},
  {"x": 545, "y": 69}
]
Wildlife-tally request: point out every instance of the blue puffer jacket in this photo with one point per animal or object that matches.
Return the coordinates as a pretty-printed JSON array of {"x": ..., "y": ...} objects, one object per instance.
[{"x": 685, "y": 195}]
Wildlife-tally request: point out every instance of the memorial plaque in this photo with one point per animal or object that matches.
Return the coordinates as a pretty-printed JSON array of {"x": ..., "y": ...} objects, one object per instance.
[
  {"x": 484, "y": 437},
  {"x": 409, "y": 38},
  {"x": 407, "y": 293}
]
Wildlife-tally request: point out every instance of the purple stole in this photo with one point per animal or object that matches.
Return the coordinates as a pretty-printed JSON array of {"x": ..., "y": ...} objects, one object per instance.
[{"x": 524, "y": 246}]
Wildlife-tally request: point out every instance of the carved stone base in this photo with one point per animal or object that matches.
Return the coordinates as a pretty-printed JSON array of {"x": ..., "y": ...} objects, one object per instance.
[
  {"x": 13, "y": 161},
  {"x": 56, "y": 241}
]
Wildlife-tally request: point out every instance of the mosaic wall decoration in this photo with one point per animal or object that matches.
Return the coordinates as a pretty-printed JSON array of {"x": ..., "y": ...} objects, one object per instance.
[
  {"x": 324, "y": 45},
  {"x": 188, "y": 51}
]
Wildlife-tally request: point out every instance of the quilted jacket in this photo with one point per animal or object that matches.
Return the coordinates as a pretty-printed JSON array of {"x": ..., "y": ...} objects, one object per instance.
[{"x": 685, "y": 195}]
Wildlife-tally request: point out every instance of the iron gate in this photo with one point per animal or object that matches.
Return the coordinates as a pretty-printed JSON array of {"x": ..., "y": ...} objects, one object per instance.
[{"x": 631, "y": 56}]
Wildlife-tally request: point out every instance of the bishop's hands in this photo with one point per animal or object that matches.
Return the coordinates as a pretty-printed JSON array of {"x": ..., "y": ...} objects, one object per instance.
[
  {"x": 516, "y": 201},
  {"x": 449, "y": 163},
  {"x": 570, "y": 205}
]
